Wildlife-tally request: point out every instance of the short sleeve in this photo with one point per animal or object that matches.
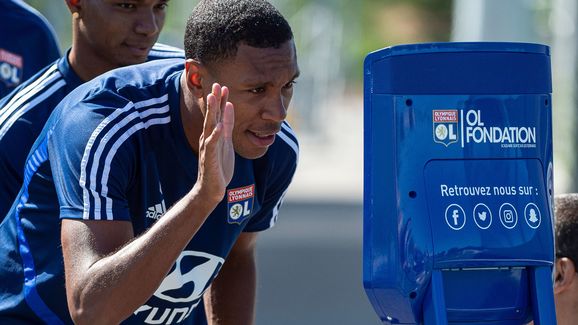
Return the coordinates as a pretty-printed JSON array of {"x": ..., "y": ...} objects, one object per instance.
[
  {"x": 282, "y": 161},
  {"x": 92, "y": 163}
]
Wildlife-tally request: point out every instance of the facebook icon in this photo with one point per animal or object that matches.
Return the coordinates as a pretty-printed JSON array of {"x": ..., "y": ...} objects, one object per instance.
[{"x": 455, "y": 217}]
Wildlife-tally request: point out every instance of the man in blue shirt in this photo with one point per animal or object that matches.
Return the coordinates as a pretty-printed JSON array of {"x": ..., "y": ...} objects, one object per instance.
[
  {"x": 106, "y": 35},
  {"x": 159, "y": 182},
  {"x": 27, "y": 44}
]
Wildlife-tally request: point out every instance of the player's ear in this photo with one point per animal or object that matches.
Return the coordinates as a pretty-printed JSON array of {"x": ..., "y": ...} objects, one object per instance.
[
  {"x": 194, "y": 74},
  {"x": 74, "y": 6},
  {"x": 565, "y": 274}
]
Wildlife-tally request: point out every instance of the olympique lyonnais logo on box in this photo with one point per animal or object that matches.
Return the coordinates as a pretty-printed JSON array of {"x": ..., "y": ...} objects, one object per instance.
[
  {"x": 445, "y": 126},
  {"x": 10, "y": 68},
  {"x": 240, "y": 203}
]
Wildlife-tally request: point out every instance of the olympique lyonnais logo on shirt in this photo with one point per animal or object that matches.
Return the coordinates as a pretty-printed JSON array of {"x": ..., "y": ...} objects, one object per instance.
[
  {"x": 240, "y": 203},
  {"x": 445, "y": 126},
  {"x": 10, "y": 68}
]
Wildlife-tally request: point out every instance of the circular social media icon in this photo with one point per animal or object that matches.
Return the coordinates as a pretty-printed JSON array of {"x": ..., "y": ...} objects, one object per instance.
[
  {"x": 482, "y": 216},
  {"x": 455, "y": 217},
  {"x": 508, "y": 215},
  {"x": 532, "y": 215}
]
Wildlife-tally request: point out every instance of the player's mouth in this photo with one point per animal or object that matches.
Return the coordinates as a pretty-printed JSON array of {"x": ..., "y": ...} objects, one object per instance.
[
  {"x": 139, "y": 50},
  {"x": 262, "y": 139}
]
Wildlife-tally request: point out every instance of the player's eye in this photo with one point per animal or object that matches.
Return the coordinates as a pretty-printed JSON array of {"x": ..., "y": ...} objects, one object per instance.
[
  {"x": 126, "y": 5},
  {"x": 163, "y": 5},
  {"x": 257, "y": 90},
  {"x": 290, "y": 84}
]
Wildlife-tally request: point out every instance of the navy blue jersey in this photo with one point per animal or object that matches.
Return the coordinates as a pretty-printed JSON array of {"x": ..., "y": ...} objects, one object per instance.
[
  {"x": 27, "y": 44},
  {"x": 25, "y": 110},
  {"x": 115, "y": 149}
]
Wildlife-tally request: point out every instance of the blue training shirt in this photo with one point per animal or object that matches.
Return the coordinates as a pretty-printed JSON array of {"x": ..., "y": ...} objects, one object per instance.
[
  {"x": 115, "y": 149},
  {"x": 24, "y": 112},
  {"x": 27, "y": 44}
]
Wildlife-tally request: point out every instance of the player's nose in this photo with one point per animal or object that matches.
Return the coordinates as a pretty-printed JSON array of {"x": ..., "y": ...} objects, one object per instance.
[
  {"x": 148, "y": 23},
  {"x": 275, "y": 110}
]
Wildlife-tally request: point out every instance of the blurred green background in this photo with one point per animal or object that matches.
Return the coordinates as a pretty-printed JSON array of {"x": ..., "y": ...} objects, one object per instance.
[{"x": 361, "y": 26}]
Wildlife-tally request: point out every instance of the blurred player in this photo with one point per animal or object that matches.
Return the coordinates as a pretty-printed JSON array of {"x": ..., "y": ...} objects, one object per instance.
[
  {"x": 106, "y": 35},
  {"x": 161, "y": 184},
  {"x": 27, "y": 44},
  {"x": 566, "y": 278}
]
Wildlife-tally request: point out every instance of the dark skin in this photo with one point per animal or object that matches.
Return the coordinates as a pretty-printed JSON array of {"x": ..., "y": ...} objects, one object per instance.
[
  {"x": 260, "y": 83},
  {"x": 566, "y": 291},
  {"x": 105, "y": 259},
  {"x": 108, "y": 34}
]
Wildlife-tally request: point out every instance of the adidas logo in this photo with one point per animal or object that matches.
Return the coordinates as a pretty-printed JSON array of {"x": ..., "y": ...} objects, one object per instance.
[{"x": 156, "y": 211}]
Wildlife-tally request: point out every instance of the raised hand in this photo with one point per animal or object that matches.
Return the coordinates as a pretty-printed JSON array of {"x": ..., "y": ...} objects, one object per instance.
[{"x": 216, "y": 152}]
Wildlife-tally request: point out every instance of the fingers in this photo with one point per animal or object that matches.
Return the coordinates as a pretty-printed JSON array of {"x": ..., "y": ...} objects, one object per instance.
[
  {"x": 224, "y": 100},
  {"x": 210, "y": 118},
  {"x": 216, "y": 150},
  {"x": 216, "y": 91},
  {"x": 214, "y": 136},
  {"x": 219, "y": 115},
  {"x": 228, "y": 120},
  {"x": 213, "y": 110}
]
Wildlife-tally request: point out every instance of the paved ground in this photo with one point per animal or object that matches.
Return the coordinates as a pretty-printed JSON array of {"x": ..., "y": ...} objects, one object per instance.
[{"x": 310, "y": 267}]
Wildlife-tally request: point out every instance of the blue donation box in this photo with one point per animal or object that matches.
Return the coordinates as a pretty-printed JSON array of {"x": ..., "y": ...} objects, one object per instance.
[{"x": 458, "y": 184}]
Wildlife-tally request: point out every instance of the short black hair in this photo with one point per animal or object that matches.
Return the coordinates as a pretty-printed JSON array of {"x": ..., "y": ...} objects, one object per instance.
[
  {"x": 216, "y": 28},
  {"x": 566, "y": 211}
]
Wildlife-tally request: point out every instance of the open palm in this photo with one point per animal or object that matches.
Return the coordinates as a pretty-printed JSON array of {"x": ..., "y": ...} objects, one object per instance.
[{"x": 216, "y": 152}]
